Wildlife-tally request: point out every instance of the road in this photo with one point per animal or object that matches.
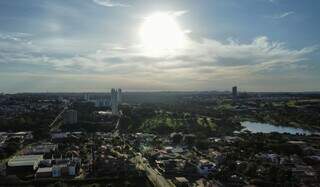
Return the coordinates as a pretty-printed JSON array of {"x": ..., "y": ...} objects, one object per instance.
[
  {"x": 52, "y": 124},
  {"x": 155, "y": 177}
]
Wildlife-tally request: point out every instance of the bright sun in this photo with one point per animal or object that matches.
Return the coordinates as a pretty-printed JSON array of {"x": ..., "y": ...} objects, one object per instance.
[{"x": 161, "y": 33}]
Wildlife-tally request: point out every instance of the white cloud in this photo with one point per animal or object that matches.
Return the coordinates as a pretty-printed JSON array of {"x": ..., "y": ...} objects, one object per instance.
[
  {"x": 283, "y": 15},
  {"x": 180, "y": 12},
  {"x": 16, "y": 36},
  {"x": 110, "y": 3},
  {"x": 202, "y": 61},
  {"x": 206, "y": 56}
]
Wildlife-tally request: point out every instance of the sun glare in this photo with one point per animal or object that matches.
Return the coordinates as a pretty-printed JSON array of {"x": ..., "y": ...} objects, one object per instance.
[{"x": 160, "y": 33}]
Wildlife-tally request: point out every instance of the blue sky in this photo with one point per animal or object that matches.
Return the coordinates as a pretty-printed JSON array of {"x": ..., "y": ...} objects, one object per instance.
[{"x": 93, "y": 45}]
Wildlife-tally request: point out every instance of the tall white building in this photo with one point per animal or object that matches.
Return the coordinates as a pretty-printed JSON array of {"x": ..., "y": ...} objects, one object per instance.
[
  {"x": 86, "y": 97},
  {"x": 114, "y": 102},
  {"x": 119, "y": 96}
]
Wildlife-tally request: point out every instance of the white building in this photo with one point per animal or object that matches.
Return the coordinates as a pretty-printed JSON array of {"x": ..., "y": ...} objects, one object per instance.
[
  {"x": 114, "y": 102},
  {"x": 119, "y": 96},
  {"x": 86, "y": 97},
  {"x": 24, "y": 162}
]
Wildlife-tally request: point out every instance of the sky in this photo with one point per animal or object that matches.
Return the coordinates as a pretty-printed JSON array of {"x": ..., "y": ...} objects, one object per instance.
[{"x": 94, "y": 45}]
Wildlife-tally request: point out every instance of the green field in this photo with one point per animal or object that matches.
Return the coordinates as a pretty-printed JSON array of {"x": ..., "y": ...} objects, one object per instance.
[{"x": 173, "y": 123}]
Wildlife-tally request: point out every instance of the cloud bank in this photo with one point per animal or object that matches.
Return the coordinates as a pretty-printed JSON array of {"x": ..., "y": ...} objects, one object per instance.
[{"x": 201, "y": 60}]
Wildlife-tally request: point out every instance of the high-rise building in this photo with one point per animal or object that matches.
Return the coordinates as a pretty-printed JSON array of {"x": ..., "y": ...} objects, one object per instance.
[
  {"x": 114, "y": 101},
  {"x": 101, "y": 102},
  {"x": 119, "y": 96},
  {"x": 86, "y": 97},
  {"x": 70, "y": 117},
  {"x": 234, "y": 92}
]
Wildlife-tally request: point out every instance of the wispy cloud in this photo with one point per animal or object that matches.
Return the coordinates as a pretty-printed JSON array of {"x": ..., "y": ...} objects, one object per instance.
[
  {"x": 110, "y": 3},
  {"x": 16, "y": 36},
  {"x": 283, "y": 15}
]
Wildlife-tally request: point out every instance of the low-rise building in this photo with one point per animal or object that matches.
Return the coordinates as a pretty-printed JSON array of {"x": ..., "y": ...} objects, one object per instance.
[
  {"x": 44, "y": 148},
  {"x": 305, "y": 174},
  {"x": 23, "y": 164},
  {"x": 45, "y": 172},
  {"x": 205, "y": 167}
]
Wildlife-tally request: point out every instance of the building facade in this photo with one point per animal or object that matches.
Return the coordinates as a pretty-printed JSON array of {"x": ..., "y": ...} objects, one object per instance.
[
  {"x": 70, "y": 117},
  {"x": 119, "y": 96},
  {"x": 114, "y": 102},
  {"x": 234, "y": 92}
]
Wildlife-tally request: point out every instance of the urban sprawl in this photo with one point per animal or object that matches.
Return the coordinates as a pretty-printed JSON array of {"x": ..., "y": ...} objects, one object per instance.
[{"x": 122, "y": 138}]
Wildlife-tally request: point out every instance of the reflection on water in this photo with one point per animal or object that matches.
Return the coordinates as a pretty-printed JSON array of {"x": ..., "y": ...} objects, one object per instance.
[{"x": 256, "y": 127}]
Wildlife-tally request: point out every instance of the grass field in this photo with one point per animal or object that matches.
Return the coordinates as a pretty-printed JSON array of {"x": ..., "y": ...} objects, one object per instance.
[{"x": 177, "y": 123}]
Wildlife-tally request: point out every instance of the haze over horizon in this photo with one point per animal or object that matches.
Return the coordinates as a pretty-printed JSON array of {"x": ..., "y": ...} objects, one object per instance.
[{"x": 168, "y": 45}]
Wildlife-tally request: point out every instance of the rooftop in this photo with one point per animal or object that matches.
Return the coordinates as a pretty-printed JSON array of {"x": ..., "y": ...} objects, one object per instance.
[
  {"x": 44, "y": 170},
  {"x": 25, "y": 160}
]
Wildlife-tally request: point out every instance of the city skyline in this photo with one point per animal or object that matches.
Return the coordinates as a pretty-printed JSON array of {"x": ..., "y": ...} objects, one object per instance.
[{"x": 94, "y": 45}]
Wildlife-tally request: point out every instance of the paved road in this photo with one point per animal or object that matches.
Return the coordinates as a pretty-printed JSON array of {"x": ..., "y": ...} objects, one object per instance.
[
  {"x": 155, "y": 177},
  {"x": 52, "y": 125}
]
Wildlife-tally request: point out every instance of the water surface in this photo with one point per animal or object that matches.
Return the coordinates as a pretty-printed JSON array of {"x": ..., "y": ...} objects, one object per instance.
[{"x": 256, "y": 127}]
